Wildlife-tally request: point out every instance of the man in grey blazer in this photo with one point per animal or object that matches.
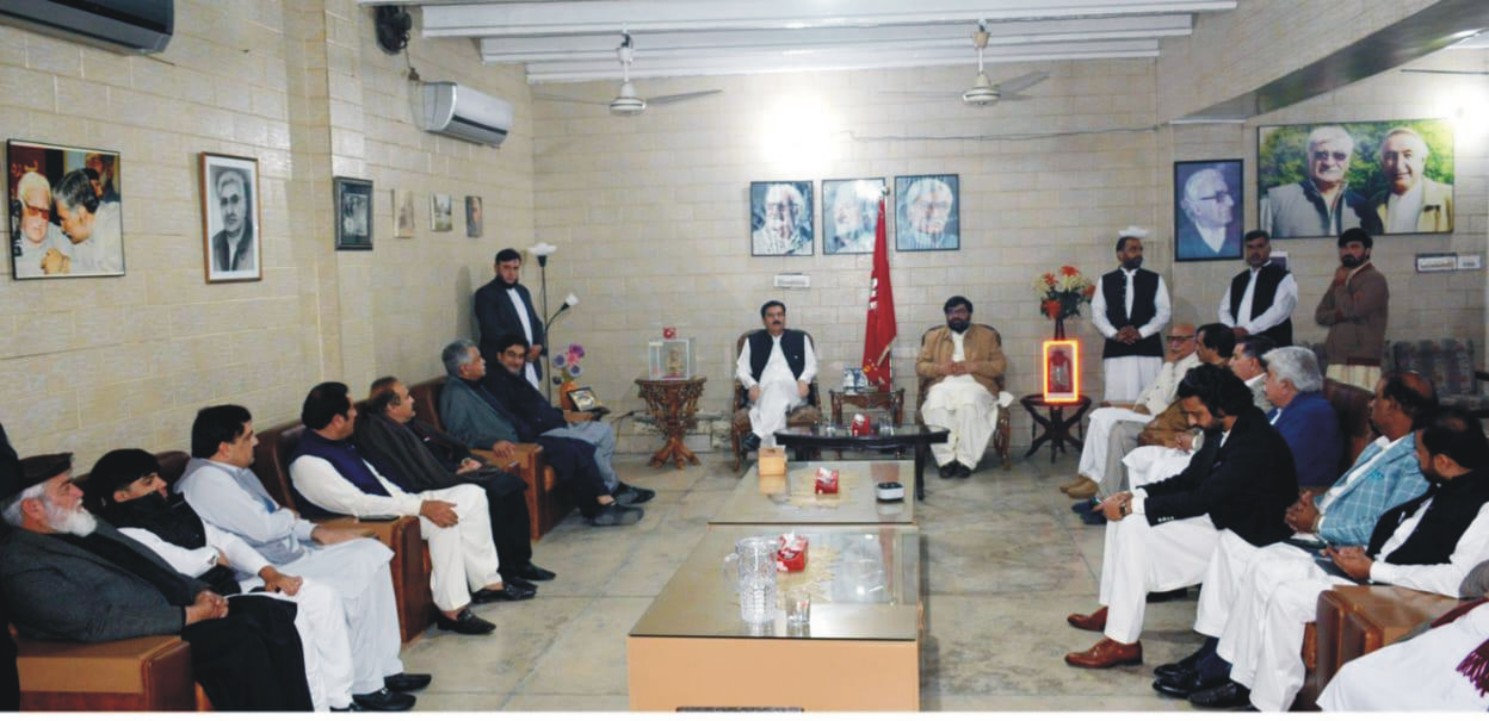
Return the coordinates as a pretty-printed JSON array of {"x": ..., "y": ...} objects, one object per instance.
[{"x": 66, "y": 576}]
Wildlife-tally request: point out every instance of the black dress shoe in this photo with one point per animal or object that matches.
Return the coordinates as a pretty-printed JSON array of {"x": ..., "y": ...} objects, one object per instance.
[
  {"x": 1184, "y": 665},
  {"x": 508, "y": 592},
  {"x": 1093, "y": 518},
  {"x": 532, "y": 572},
  {"x": 949, "y": 470},
  {"x": 1085, "y": 506},
  {"x": 1227, "y": 695},
  {"x": 1184, "y": 685},
  {"x": 512, "y": 580},
  {"x": 1177, "y": 594},
  {"x": 466, "y": 623},
  {"x": 383, "y": 700},
  {"x": 631, "y": 495},
  {"x": 962, "y": 471},
  {"x": 617, "y": 514},
  {"x": 750, "y": 442},
  {"x": 405, "y": 682}
]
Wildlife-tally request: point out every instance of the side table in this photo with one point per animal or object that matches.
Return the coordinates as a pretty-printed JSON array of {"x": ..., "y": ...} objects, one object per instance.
[
  {"x": 892, "y": 401},
  {"x": 674, "y": 404},
  {"x": 1056, "y": 426}
]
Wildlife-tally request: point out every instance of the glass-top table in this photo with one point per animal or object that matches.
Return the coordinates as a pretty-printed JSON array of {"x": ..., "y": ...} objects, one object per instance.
[
  {"x": 791, "y": 499},
  {"x": 885, "y": 437},
  {"x": 860, "y": 651}
]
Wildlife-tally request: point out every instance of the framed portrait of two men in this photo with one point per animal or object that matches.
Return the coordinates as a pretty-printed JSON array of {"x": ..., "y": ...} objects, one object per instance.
[
  {"x": 66, "y": 211},
  {"x": 1207, "y": 210},
  {"x": 230, "y": 218},
  {"x": 1387, "y": 177}
]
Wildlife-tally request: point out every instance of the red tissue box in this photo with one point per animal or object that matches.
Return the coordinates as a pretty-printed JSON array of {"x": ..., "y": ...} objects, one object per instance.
[
  {"x": 793, "y": 554},
  {"x": 827, "y": 481}
]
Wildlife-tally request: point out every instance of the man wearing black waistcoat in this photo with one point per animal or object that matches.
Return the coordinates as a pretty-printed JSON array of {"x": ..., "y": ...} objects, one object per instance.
[
  {"x": 1130, "y": 308},
  {"x": 1260, "y": 300}
]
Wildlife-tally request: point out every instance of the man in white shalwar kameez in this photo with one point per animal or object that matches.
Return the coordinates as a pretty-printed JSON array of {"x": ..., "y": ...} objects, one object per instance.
[
  {"x": 776, "y": 366},
  {"x": 221, "y": 487},
  {"x": 963, "y": 363},
  {"x": 1130, "y": 307}
]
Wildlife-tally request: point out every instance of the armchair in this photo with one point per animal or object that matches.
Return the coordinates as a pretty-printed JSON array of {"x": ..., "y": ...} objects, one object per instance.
[
  {"x": 1002, "y": 428},
  {"x": 808, "y": 414}
]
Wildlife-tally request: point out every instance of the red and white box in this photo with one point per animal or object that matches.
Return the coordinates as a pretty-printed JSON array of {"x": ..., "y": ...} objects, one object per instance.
[
  {"x": 827, "y": 481},
  {"x": 793, "y": 554}
]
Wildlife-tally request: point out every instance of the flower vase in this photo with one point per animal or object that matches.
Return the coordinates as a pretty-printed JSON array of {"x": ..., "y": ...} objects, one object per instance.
[
  {"x": 564, "y": 403},
  {"x": 1059, "y": 329}
]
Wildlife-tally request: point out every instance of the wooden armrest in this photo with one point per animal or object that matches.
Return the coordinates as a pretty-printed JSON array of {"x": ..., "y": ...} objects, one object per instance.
[
  {"x": 1394, "y": 610},
  {"x": 384, "y": 531}
]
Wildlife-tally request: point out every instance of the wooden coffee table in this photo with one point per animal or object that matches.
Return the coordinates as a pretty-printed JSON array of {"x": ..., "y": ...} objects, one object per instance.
[
  {"x": 791, "y": 499},
  {"x": 902, "y": 437}
]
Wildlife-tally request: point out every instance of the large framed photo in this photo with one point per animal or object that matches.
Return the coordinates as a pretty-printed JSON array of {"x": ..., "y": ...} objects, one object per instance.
[
  {"x": 1388, "y": 177},
  {"x": 927, "y": 212},
  {"x": 850, "y": 215},
  {"x": 354, "y": 217},
  {"x": 66, "y": 211},
  {"x": 1207, "y": 210},
  {"x": 230, "y": 218},
  {"x": 781, "y": 218}
]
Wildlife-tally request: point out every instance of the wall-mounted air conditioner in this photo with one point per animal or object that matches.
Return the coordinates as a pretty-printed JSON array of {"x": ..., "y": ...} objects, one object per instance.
[
  {"x": 460, "y": 112},
  {"x": 137, "y": 26}
]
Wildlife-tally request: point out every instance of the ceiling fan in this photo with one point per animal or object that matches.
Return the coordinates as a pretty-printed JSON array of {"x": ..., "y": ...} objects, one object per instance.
[
  {"x": 628, "y": 103},
  {"x": 983, "y": 92}
]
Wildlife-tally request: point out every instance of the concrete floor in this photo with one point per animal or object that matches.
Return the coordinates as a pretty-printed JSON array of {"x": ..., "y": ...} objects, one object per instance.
[{"x": 1008, "y": 562}]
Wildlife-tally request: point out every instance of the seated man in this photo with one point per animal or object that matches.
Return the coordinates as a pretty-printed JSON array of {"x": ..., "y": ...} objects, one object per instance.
[
  {"x": 1302, "y": 415},
  {"x": 220, "y": 487},
  {"x": 1106, "y": 423},
  {"x": 330, "y": 474},
  {"x": 66, "y": 576},
  {"x": 535, "y": 416},
  {"x": 475, "y": 417},
  {"x": 1386, "y": 474},
  {"x": 1426, "y": 544},
  {"x": 125, "y": 489},
  {"x": 776, "y": 367},
  {"x": 963, "y": 363},
  {"x": 396, "y": 451},
  {"x": 1162, "y": 534}
]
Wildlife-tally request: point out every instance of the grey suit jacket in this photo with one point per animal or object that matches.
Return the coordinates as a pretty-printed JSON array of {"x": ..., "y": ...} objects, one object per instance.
[
  {"x": 55, "y": 590},
  {"x": 468, "y": 417}
]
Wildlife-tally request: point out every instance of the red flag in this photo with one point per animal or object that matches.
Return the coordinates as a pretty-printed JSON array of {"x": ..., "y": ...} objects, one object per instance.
[{"x": 880, "y": 329}]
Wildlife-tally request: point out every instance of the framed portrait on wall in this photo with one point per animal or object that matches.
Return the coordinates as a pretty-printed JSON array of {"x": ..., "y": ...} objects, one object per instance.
[
  {"x": 230, "y": 218},
  {"x": 927, "y": 212},
  {"x": 354, "y": 216},
  {"x": 850, "y": 215},
  {"x": 781, "y": 218},
  {"x": 403, "y": 213},
  {"x": 440, "y": 211},
  {"x": 66, "y": 211},
  {"x": 1389, "y": 177},
  {"x": 474, "y": 219},
  {"x": 1207, "y": 210}
]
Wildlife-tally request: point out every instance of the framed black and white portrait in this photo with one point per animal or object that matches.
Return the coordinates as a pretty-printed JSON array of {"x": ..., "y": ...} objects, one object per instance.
[
  {"x": 66, "y": 211},
  {"x": 354, "y": 213},
  {"x": 927, "y": 212},
  {"x": 230, "y": 218},
  {"x": 850, "y": 215},
  {"x": 440, "y": 208},
  {"x": 1207, "y": 210},
  {"x": 474, "y": 216},
  {"x": 781, "y": 218}
]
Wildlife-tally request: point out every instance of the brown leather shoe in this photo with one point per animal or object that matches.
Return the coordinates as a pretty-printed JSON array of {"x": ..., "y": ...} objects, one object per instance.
[
  {"x": 1087, "y": 488},
  {"x": 1078, "y": 480},
  {"x": 1094, "y": 622},
  {"x": 1106, "y": 654}
]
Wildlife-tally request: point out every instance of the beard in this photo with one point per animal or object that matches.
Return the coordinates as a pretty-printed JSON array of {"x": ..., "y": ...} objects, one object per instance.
[
  {"x": 1349, "y": 261},
  {"x": 1132, "y": 263},
  {"x": 76, "y": 521},
  {"x": 959, "y": 326}
]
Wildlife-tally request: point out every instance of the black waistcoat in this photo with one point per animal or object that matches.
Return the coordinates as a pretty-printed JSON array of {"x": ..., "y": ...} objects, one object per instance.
[
  {"x": 793, "y": 344},
  {"x": 1456, "y": 504},
  {"x": 1267, "y": 280},
  {"x": 1144, "y": 307}
]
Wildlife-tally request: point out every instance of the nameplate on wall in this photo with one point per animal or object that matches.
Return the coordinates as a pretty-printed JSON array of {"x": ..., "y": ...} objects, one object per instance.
[{"x": 793, "y": 280}]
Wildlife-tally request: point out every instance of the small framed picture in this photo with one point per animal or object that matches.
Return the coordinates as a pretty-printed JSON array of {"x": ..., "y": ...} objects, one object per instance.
[
  {"x": 670, "y": 359},
  {"x": 927, "y": 212},
  {"x": 583, "y": 399},
  {"x": 403, "y": 214},
  {"x": 66, "y": 211},
  {"x": 850, "y": 215},
  {"x": 439, "y": 213},
  {"x": 473, "y": 218},
  {"x": 1207, "y": 210},
  {"x": 354, "y": 222},
  {"x": 230, "y": 218},
  {"x": 1062, "y": 371},
  {"x": 781, "y": 218}
]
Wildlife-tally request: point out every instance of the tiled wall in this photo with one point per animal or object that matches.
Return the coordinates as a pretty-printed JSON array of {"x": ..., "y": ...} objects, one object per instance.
[{"x": 97, "y": 363}]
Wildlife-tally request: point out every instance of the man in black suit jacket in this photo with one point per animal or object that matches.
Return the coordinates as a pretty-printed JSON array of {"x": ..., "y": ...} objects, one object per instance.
[
  {"x": 1241, "y": 479},
  {"x": 503, "y": 307}
]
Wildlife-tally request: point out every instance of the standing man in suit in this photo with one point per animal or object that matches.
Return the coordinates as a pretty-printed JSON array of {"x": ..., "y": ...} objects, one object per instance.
[
  {"x": 1260, "y": 300},
  {"x": 776, "y": 367},
  {"x": 504, "y": 306},
  {"x": 1356, "y": 308},
  {"x": 1160, "y": 537},
  {"x": 1130, "y": 308}
]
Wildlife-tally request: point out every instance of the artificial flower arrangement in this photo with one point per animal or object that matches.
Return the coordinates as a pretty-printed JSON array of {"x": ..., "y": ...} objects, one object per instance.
[{"x": 1061, "y": 293}]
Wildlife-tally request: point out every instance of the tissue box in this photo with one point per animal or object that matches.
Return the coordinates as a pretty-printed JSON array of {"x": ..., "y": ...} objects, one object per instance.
[
  {"x": 793, "y": 554},
  {"x": 827, "y": 481},
  {"x": 772, "y": 462}
]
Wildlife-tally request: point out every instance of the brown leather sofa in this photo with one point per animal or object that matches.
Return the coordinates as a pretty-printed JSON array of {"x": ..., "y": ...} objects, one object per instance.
[
  {"x": 410, "y": 565},
  {"x": 149, "y": 673},
  {"x": 546, "y": 503}
]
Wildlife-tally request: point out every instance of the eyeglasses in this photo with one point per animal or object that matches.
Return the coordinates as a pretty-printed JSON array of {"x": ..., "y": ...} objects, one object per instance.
[
  {"x": 1325, "y": 155},
  {"x": 45, "y": 213},
  {"x": 1220, "y": 197},
  {"x": 1179, "y": 338}
]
